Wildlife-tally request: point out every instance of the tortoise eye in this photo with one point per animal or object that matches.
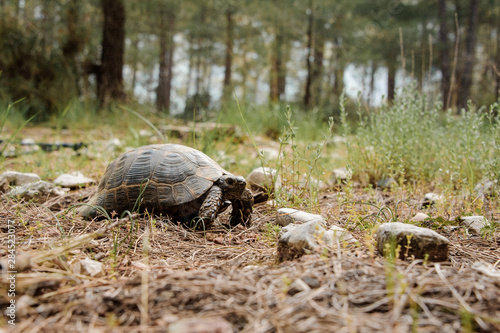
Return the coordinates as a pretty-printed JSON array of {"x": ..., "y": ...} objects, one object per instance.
[{"x": 230, "y": 181}]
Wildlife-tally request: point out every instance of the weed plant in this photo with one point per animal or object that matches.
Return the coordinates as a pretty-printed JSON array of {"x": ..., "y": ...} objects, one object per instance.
[{"x": 415, "y": 142}]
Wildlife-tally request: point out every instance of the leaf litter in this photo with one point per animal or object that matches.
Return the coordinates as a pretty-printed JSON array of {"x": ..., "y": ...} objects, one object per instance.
[{"x": 157, "y": 273}]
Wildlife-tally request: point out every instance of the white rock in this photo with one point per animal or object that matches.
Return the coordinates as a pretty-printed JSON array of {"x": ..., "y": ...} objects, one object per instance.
[
  {"x": 145, "y": 132},
  {"x": 310, "y": 236},
  {"x": 112, "y": 145},
  {"x": 14, "y": 178},
  {"x": 312, "y": 183},
  {"x": 286, "y": 216},
  {"x": 485, "y": 188},
  {"x": 422, "y": 241},
  {"x": 340, "y": 174},
  {"x": 337, "y": 139},
  {"x": 73, "y": 179},
  {"x": 28, "y": 141},
  {"x": 474, "y": 223},
  {"x": 263, "y": 178},
  {"x": 269, "y": 153},
  {"x": 336, "y": 232},
  {"x": 386, "y": 182},
  {"x": 36, "y": 190},
  {"x": 433, "y": 198},
  {"x": 419, "y": 217},
  {"x": 89, "y": 267}
]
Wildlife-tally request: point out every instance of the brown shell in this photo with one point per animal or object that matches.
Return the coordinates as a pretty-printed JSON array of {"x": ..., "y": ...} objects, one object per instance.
[{"x": 168, "y": 174}]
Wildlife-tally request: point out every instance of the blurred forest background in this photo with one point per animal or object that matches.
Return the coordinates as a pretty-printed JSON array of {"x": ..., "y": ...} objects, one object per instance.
[{"x": 190, "y": 58}]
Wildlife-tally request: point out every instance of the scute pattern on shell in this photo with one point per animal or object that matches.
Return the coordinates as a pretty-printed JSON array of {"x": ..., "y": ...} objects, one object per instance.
[{"x": 173, "y": 175}]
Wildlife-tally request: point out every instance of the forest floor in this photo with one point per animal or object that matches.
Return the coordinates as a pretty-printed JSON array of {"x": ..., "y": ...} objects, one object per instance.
[{"x": 160, "y": 277}]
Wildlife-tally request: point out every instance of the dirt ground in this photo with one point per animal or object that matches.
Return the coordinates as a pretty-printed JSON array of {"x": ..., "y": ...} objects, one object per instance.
[{"x": 157, "y": 276}]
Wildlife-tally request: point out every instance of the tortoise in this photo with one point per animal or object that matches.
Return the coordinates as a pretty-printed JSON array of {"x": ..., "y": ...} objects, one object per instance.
[{"x": 174, "y": 180}]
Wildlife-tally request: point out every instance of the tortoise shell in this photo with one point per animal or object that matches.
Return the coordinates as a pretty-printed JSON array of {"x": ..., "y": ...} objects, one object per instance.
[{"x": 167, "y": 178}]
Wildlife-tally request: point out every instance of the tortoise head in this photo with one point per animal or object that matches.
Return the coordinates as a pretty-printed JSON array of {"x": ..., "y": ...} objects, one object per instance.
[{"x": 232, "y": 186}]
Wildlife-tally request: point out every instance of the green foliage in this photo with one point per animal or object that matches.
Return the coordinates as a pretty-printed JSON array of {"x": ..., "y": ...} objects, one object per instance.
[
  {"x": 413, "y": 141},
  {"x": 298, "y": 167},
  {"x": 32, "y": 71}
]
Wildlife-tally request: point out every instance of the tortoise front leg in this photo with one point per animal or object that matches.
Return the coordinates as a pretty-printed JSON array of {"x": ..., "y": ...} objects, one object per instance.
[
  {"x": 210, "y": 206},
  {"x": 242, "y": 209}
]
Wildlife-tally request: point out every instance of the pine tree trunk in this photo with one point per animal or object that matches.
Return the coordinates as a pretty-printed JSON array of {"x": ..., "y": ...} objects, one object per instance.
[
  {"x": 229, "y": 57},
  {"x": 497, "y": 69},
  {"x": 310, "y": 24},
  {"x": 167, "y": 47},
  {"x": 135, "y": 47},
  {"x": 317, "y": 71},
  {"x": 444, "y": 58},
  {"x": 470, "y": 44},
  {"x": 391, "y": 81},
  {"x": 74, "y": 43},
  {"x": 338, "y": 85},
  {"x": 373, "y": 69},
  {"x": 277, "y": 80},
  {"x": 110, "y": 78}
]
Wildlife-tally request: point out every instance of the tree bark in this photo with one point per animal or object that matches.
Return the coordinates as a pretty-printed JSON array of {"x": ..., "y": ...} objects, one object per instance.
[
  {"x": 317, "y": 70},
  {"x": 310, "y": 24},
  {"x": 444, "y": 53},
  {"x": 277, "y": 80},
  {"x": 167, "y": 47},
  {"x": 391, "y": 81},
  {"x": 73, "y": 44},
  {"x": 373, "y": 69},
  {"x": 110, "y": 78},
  {"x": 470, "y": 44},
  {"x": 229, "y": 57},
  {"x": 497, "y": 67}
]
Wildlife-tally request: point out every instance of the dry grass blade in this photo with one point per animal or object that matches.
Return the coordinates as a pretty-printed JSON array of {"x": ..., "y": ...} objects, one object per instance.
[{"x": 75, "y": 243}]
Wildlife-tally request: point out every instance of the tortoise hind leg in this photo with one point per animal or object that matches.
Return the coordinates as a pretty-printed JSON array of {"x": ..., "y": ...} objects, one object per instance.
[{"x": 242, "y": 209}]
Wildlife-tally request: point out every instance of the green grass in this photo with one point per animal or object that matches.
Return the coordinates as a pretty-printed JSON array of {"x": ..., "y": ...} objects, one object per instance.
[
  {"x": 415, "y": 143},
  {"x": 412, "y": 140}
]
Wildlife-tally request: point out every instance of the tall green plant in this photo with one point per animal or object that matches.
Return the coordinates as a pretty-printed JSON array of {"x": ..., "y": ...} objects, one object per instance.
[{"x": 412, "y": 140}]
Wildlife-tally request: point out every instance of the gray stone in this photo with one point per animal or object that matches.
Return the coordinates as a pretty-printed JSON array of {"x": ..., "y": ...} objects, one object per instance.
[
  {"x": 286, "y": 216},
  {"x": 73, "y": 180},
  {"x": 340, "y": 234},
  {"x": 263, "y": 178},
  {"x": 432, "y": 199},
  {"x": 311, "y": 236},
  {"x": 485, "y": 188},
  {"x": 145, "y": 133},
  {"x": 312, "y": 183},
  {"x": 419, "y": 217},
  {"x": 413, "y": 241},
  {"x": 269, "y": 153},
  {"x": 88, "y": 267},
  {"x": 14, "y": 178},
  {"x": 341, "y": 174},
  {"x": 35, "y": 190},
  {"x": 386, "y": 182},
  {"x": 474, "y": 223}
]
